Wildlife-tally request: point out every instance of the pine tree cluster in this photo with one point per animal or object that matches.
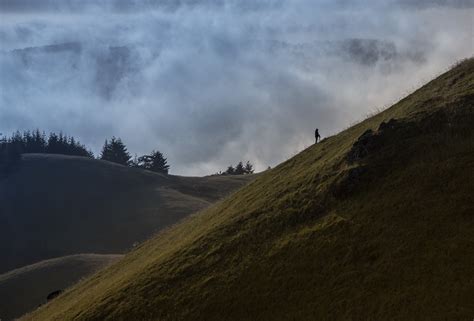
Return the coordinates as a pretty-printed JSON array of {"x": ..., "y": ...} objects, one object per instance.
[
  {"x": 19, "y": 143},
  {"x": 38, "y": 142},
  {"x": 154, "y": 162},
  {"x": 239, "y": 169},
  {"x": 116, "y": 151}
]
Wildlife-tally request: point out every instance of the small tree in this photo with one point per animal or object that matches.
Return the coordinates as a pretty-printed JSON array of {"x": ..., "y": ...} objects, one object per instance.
[
  {"x": 116, "y": 152},
  {"x": 239, "y": 169},
  {"x": 230, "y": 170},
  {"x": 155, "y": 162},
  {"x": 53, "y": 144},
  {"x": 248, "y": 169}
]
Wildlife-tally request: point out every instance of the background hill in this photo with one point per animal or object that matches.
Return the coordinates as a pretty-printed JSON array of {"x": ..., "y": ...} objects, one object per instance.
[
  {"x": 58, "y": 205},
  {"x": 374, "y": 223},
  {"x": 24, "y": 289}
]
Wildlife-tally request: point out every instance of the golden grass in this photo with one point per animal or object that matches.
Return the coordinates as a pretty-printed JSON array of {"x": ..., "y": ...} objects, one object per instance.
[{"x": 398, "y": 246}]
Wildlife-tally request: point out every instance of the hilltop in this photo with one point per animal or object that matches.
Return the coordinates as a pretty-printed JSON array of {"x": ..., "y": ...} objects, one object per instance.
[
  {"x": 374, "y": 223},
  {"x": 56, "y": 205}
]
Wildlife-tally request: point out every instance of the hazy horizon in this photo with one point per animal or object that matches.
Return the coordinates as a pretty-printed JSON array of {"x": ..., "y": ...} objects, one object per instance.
[{"x": 210, "y": 83}]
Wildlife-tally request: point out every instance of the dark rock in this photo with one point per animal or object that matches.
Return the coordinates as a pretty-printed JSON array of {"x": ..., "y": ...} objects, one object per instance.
[
  {"x": 350, "y": 182},
  {"x": 391, "y": 124},
  {"x": 53, "y": 295},
  {"x": 361, "y": 147},
  {"x": 371, "y": 141}
]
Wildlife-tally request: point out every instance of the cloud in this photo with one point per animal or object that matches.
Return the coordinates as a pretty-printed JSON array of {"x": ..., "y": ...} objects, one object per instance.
[
  {"x": 124, "y": 6},
  {"x": 171, "y": 5},
  {"x": 436, "y": 3},
  {"x": 213, "y": 82}
]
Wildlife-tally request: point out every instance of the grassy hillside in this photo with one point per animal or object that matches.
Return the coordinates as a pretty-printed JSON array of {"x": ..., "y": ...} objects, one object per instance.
[
  {"x": 61, "y": 205},
  {"x": 366, "y": 225},
  {"x": 26, "y": 288}
]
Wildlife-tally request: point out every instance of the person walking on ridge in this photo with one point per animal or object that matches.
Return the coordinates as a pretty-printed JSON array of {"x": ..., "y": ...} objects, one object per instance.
[{"x": 317, "y": 136}]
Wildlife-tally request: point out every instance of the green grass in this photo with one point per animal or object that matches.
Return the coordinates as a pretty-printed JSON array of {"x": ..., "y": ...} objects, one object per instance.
[{"x": 305, "y": 241}]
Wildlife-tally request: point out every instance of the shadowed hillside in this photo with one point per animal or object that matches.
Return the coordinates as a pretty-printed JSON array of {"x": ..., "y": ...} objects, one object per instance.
[
  {"x": 56, "y": 205},
  {"x": 26, "y": 288},
  {"x": 375, "y": 223}
]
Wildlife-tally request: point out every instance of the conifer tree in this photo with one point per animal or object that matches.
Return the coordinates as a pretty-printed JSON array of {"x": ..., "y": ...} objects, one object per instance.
[
  {"x": 53, "y": 144},
  {"x": 115, "y": 151},
  {"x": 155, "y": 162},
  {"x": 239, "y": 169},
  {"x": 248, "y": 169}
]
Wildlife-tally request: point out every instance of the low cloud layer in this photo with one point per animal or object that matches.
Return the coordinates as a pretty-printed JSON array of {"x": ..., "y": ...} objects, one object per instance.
[{"x": 213, "y": 82}]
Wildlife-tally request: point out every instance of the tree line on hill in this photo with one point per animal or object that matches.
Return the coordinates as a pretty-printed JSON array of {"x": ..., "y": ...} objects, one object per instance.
[
  {"x": 239, "y": 169},
  {"x": 19, "y": 143},
  {"x": 36, "y": 141},
  {"x": 114, "y": 150}
]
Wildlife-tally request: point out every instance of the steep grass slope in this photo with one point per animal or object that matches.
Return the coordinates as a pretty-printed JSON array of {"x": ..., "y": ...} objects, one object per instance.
[
  {"x": 58, "y": 205},
  {"x": 26, "y": 288},
  {"x": 366, "y": 225}
]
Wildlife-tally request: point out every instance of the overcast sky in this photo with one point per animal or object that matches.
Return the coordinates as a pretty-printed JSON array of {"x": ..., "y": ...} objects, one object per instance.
[{"x": 211, "y": 82}]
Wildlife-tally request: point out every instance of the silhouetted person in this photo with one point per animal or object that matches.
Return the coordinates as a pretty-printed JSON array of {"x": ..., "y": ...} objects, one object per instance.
[{"x": 316, "y": 135}]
